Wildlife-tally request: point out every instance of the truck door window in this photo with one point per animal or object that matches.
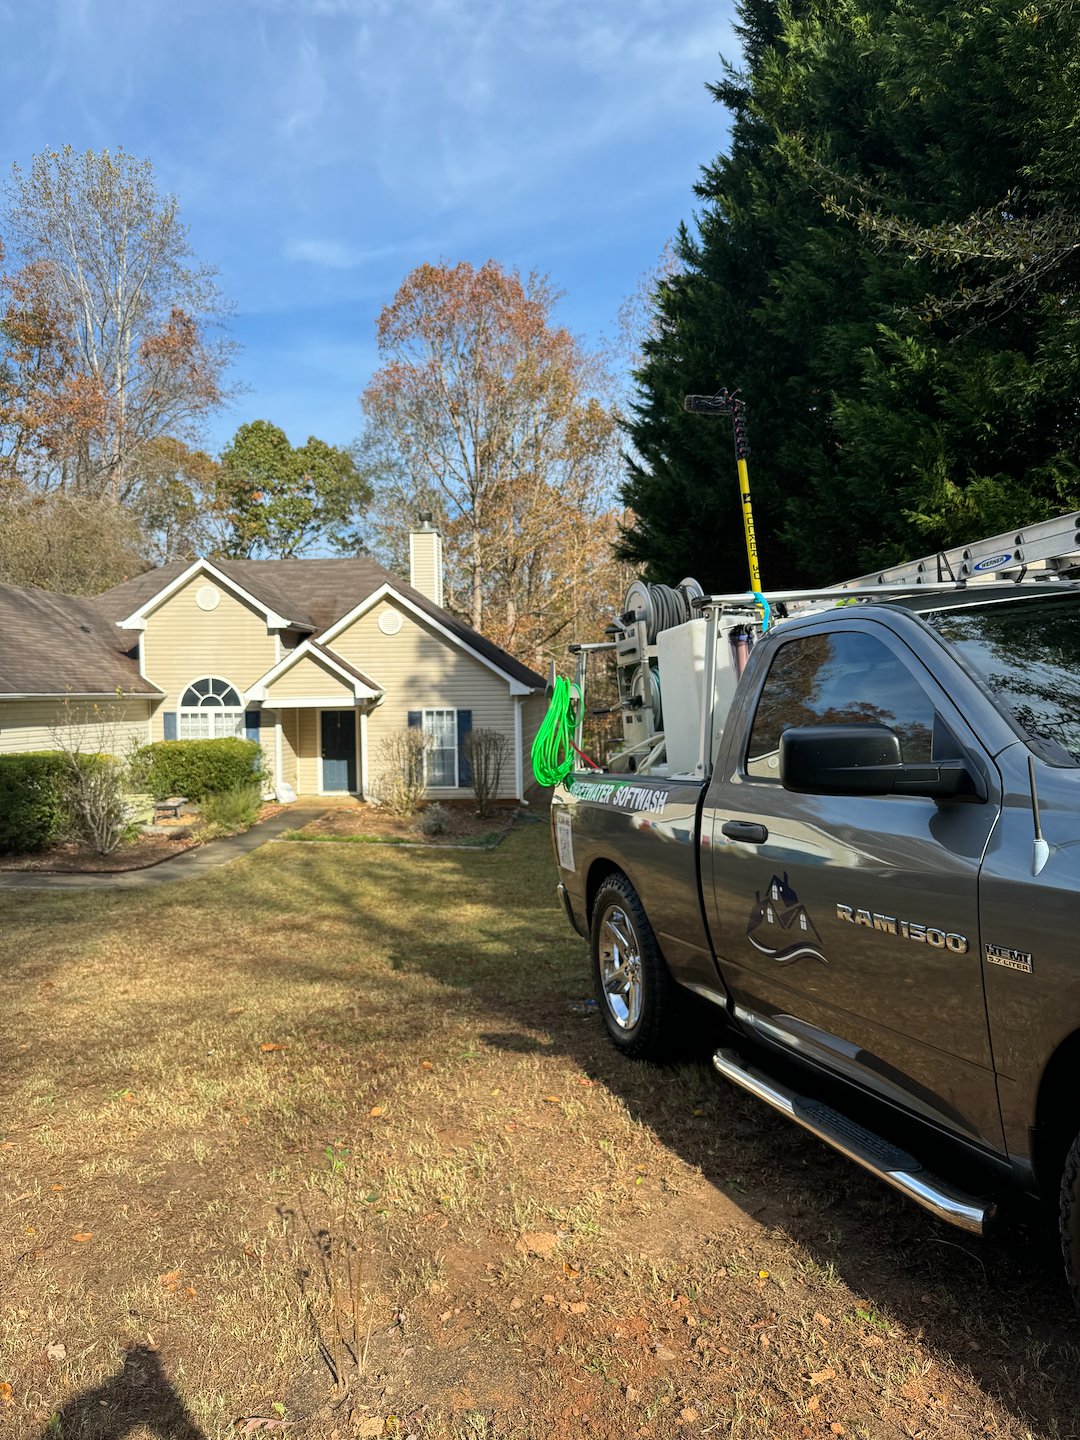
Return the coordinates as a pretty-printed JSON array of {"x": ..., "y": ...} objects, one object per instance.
[{"x": 838, "y": 679}]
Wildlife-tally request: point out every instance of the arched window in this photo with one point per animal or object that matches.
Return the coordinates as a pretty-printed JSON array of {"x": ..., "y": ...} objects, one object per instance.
[{"x": 209, "y": 709}]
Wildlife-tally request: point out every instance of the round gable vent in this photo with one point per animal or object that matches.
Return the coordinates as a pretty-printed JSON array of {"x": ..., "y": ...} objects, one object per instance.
[
  {"x": 390, "y": 622},
  {"x": 207, "y": 597}
]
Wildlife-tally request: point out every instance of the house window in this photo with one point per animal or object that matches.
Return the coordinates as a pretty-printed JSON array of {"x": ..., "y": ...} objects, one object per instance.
[
  {"x": 440, "y": 761},
  {"x": 210, "y": 709}
]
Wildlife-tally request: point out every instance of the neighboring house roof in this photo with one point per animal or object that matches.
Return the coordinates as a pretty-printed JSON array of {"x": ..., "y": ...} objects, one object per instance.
[
  {"x": 63, "y": 645},
  {"x": 313, "y": 595}
]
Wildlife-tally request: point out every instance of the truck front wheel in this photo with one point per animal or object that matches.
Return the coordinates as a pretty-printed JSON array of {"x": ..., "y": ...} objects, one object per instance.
[{"x": 636, "y": 994}]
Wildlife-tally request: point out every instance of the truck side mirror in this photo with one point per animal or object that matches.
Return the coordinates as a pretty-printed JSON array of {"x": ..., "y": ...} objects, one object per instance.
[{"x": 867, "y": 760}]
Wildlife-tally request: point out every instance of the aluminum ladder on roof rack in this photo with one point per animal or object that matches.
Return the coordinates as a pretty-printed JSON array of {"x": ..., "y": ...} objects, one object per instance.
[{"x": 1052, "y": 544}]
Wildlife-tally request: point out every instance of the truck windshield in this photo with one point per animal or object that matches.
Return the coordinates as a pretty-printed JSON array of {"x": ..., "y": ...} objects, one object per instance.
[{"x": 1028, "y": 653}]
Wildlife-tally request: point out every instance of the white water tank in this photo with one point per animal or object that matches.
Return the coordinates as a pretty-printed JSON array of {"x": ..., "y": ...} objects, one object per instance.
[{"x": 680, "y": 654}]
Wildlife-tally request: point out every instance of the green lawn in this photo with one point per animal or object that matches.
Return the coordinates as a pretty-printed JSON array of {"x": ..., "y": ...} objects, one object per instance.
[{"x": 329, "y": 1138}]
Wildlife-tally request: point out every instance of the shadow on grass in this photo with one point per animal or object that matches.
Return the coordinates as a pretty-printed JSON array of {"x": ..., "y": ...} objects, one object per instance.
[
  {"x": 139, "y": 1397},
  {"x": 486, "y": 928},
  {"x": 996, "y": 1309}
]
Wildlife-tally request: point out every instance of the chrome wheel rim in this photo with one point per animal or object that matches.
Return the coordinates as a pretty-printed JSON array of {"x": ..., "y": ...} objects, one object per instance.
[{"x": 620, "y": 968}]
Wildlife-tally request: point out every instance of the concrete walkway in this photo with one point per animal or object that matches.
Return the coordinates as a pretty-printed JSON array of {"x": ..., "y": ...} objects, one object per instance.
[{"x": 185, "y": 866}]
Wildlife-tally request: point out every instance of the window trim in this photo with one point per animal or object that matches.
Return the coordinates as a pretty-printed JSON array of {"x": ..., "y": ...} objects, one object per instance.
[
  {"x": 442, "y": 710},
  {"x": 188, "y": 712}
]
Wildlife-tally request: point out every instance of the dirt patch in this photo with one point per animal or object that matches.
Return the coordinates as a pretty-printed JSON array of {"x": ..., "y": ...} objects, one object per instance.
[{"x": 463, "y": 825}]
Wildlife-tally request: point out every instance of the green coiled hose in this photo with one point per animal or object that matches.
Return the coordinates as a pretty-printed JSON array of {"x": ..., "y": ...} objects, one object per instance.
[{"x": 553, "y": 749}]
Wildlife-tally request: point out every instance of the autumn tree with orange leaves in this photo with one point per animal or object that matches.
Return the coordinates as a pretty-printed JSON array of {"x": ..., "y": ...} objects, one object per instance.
[
  {"x": 489, "y": 414},
  {"x": 109, "y": 325},
  {"x": 110, "y": 347}
]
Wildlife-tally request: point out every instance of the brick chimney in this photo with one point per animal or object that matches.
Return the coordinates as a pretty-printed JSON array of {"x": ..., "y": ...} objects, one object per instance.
[{"x": 425, "y": 559}]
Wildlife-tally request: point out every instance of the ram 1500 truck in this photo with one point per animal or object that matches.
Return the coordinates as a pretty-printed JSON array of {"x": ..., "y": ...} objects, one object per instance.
[{"x": 862, "y": 844}]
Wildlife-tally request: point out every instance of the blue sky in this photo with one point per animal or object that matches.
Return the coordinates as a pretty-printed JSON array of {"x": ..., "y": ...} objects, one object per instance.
[{"x": 322, "y": 148}]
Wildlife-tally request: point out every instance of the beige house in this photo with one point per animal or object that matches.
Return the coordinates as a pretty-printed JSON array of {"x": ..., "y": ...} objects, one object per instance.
[{"x": 319, "y": 660}]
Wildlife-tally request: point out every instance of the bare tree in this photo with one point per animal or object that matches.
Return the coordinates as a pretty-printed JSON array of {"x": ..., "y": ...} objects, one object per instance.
[
  {"x": 488, "y": 413},
  {"x": 488, "y": 752},
  {"x": 127, "y": 316}
]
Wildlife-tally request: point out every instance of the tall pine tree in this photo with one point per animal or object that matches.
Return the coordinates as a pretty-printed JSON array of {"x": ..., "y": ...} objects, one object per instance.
[{"x": 885, "y": 264}]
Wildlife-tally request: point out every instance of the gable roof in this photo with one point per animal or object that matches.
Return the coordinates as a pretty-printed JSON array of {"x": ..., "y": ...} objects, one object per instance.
[
  {"x": 319, "y": 654},
  {"x": 313, "y": 595},
  {"x": 62, "y": 645}
]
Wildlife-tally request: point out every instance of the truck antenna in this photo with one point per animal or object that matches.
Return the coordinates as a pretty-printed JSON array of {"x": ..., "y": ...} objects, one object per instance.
[{"x": 1041, "y": 850}]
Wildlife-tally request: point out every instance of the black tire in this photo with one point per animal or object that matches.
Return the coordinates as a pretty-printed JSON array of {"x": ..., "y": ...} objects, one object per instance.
[
  {"x": 640, "y": 1003},
  {"x": 1069, "y": 1221}
]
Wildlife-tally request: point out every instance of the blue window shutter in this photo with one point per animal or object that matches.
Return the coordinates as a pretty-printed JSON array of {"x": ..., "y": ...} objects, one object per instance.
[
  {"x": 170, "y": 724},
  {"x": 252, "y": 722},
  {"x": 416, "y": 719},
  {"x": 464, "y": 768}
]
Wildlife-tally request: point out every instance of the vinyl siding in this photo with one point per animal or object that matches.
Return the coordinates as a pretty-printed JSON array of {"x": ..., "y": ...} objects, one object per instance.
[
  {"x": 290, "y": 724},
  {"x": 309, "y": 678},
  {"x": 112, "y": 726},
  {"x": 426, "y": 564},
  {"x": 533, "y": 710},
  {"x": 419, "y": 670},
  {"x": 307, "y": 767},
  {"x": 183, "y": 643}
]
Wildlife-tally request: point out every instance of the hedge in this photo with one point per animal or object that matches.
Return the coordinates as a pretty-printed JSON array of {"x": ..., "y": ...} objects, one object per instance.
[
  {"x": 32, "y": 811},
  {"x": 195, "y": 768}
]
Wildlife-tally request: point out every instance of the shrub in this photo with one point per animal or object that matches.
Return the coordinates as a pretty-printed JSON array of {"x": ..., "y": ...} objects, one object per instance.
[
  {"x": 228, "y": 812},
  {"x": 32, "y": 813},
  {"x": 434, "y": 820},
  {"x": 197, "y": 768},
  {"x": 94, "y": 796},
  {"x": 400, "y": 785},
  {"x": 488, "y": 752}
]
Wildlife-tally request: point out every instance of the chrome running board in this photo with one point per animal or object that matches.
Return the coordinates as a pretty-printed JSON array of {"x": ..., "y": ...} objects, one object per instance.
[{"x": 883, "y": 1159}]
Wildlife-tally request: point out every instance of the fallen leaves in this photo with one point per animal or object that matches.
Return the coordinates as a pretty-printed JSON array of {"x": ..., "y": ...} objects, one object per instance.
[
  {"x": 376, "y": 1111},
  {"x": 170, "y": 1281},
  {"x": 82, "y": 1236},
  {"x": 821, "y": 1377},
  {"x": 269, "y": 1045},
  {"x": 368, "y": 1428},
  {"x": 537, "y": 1242},
  {"x": 6, "y": 1397},
  {"x": 56, "y": 1350}
]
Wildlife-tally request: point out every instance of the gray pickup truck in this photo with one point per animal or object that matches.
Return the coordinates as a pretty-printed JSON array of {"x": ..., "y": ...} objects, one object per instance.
[{"x": 869, "y": 864}]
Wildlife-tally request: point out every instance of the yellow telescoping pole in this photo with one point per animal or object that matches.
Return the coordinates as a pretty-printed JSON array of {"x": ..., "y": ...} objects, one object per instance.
[
  {"x": 748, "y": 524},
  {"x": 724, "y": 402}
]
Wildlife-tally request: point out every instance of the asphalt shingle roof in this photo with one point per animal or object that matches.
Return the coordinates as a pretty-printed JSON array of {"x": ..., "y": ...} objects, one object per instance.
[
  {"x": 313, "y": 594},
  {"x": 63, "y": 645}
]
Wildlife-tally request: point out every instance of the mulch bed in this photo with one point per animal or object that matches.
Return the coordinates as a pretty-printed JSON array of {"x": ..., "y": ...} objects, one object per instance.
[
  {"x": 138, "y": 854},
  {"x": 370, "y": 822},
  {"x": 74, "y": 859}
]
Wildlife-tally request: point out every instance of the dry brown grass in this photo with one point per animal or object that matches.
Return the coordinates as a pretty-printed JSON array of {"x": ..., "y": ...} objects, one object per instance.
[{"x": 352, "y": 1155}]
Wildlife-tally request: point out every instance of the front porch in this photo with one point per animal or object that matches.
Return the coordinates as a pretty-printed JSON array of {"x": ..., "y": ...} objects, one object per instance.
[
  {"x": 319, "y": 749},
  {"x": 316, "y": 707}
]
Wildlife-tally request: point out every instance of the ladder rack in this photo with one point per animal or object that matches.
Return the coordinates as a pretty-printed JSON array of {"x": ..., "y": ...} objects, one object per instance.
[{"x": 1051, "y": 544}]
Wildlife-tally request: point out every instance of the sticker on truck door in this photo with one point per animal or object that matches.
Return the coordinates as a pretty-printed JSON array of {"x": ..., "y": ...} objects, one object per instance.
[
  {"x": 780, "y": 926},
  {"x": 564, "y": 840}
]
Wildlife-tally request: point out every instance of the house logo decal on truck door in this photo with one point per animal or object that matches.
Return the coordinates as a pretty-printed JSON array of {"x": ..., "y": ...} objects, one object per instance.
[{"x": 780, "y": 926}]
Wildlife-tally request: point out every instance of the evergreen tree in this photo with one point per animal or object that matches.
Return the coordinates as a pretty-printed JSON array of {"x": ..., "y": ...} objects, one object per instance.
[{"x": 885, "y": 266}]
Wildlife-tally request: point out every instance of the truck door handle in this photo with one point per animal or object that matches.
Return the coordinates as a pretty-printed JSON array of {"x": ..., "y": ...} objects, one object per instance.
[{"x": 746, "y": 831}]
